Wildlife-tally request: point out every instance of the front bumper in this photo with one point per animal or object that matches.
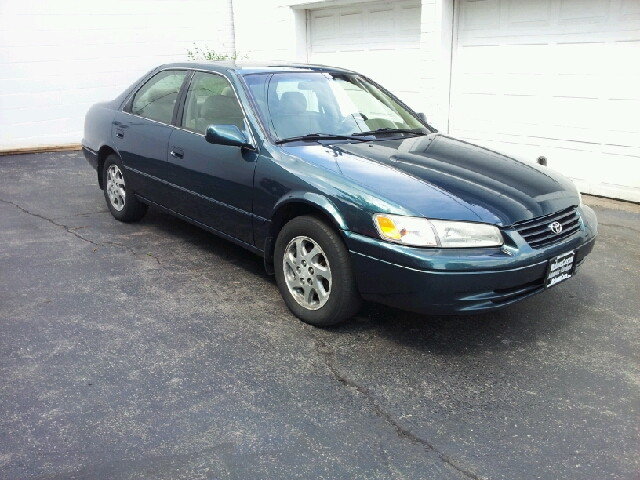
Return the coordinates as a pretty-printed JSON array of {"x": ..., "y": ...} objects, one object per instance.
[{"x": 455, "y": 281}]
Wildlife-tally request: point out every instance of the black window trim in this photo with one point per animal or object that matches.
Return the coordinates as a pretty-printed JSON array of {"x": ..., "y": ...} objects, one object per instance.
[
  {"x": 178, "y": 110},
  {"x": 128, "y": 104},
  {"x": 176, "y": 121}
]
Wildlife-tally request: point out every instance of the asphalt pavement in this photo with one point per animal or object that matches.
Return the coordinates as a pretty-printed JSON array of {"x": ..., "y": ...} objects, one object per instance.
[{"x": 158, "y": 350}]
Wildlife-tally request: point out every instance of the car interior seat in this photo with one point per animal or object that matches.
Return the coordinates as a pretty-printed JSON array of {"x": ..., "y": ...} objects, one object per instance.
[
  {"x": 292, "y": 118},
  {"x": 157, "y": 105},
  {"x": 220, "y": 110}
]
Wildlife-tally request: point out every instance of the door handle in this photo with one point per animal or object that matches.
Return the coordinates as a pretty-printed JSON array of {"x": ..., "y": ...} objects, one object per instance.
[
  {"x": 177, "y": 153},
  {"x": 119, "y": 133}
]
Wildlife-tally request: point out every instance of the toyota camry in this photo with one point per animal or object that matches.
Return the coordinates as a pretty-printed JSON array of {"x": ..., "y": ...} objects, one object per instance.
[{"x": 345, "y": 191}]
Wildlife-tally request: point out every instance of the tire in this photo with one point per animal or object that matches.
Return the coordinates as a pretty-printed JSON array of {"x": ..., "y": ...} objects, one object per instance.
[
  {"x": 122, "y": 202},
  {"x": 314, "y": 274}
]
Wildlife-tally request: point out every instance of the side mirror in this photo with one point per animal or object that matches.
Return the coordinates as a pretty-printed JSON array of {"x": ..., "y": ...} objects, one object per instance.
[{"x": 226, "y": 135}]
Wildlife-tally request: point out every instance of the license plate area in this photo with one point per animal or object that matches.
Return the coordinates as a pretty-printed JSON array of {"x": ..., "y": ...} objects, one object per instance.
[{"x": 560, "y": 269}]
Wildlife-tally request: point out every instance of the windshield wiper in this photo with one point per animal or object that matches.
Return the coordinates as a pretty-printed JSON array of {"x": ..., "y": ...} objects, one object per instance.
[
  {"x": 415, "y": 131},
  {"x": 322, "y": 136}
]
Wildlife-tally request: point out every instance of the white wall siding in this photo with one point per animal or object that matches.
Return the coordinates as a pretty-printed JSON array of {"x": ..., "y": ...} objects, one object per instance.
[
  {"x": 58, "y": 57},
  {"x": 270, "y": 30}
]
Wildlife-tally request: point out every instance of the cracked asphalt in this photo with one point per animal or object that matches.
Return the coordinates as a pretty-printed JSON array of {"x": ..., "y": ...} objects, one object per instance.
[{"x": 157, "y": 350}]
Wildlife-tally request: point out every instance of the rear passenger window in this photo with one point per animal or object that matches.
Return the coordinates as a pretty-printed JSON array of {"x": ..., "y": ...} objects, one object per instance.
[{"x": 157, "y": 98}]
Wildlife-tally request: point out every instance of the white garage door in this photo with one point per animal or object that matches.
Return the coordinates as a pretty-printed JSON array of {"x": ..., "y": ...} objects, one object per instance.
[
  {"x": 559, "y": 78},
  {"x": 58, "y": 57},
  {"x": 380, "y": 40}
]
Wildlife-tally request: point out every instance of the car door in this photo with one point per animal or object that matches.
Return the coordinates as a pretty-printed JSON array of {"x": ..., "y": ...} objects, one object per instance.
[
  {"x": 213, "y": 184},
  {"x": 141, "y": 133}
]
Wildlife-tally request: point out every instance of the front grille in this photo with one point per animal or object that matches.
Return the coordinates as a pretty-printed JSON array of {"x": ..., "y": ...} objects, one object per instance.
[{"x": 537, "y": 232}]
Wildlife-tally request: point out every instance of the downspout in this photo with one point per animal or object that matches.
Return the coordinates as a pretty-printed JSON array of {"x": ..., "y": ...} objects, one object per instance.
[{"x": 233, "y": 28}]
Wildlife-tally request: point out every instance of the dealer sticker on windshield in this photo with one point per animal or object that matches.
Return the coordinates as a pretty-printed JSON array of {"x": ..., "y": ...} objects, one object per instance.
[{"x": 560, "y": 268}]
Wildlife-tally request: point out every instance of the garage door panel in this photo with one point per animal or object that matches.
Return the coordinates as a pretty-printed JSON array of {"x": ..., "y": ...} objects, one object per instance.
[
  {"x": 503, "y": 115},
  {"x": 480, "y": 83},
  {"x": 407, "y": 23},
  {"x": 351, "y": 28},
  {"x": 631, "y": 153},
  {"x": 479, "y": 59},
  {"x": 566, "y": 88},
  {"x": 621, "y": 120},
  {"x": 379, "y": 23},
  {"x": 581, "y": 11},
  {"x": 324, "y": 31},
  {"x": 480, "y": 15},
  {"x": 577, "y": 58},
  {"x": 620, "y": 81},
  {"x": 616, "y": 166},
  {"x": 528, "y": 84},
  {"x": 524, "y": 58},
  {"x": 576, "y": 163},
  {"x": 629, "y": 11},
  {"x": 574, "y": 86},
  {"x": 478, "y": 114},
  {"x": 528, "y": 14},
  {"x": 378, "y": 39},
  {"x": 572, "y": 112}
]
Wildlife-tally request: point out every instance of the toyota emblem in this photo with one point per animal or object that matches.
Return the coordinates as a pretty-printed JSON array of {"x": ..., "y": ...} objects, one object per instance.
[{"x": 556, "y": 227}]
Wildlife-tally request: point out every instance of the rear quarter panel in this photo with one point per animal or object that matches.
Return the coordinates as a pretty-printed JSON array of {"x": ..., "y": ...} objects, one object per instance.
[
  {"x": 97, "y": 126},
  {"x": 98, "y": 120}
]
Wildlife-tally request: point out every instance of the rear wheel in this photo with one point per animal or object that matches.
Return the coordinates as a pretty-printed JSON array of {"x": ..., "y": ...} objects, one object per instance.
[
  {"x": 121, "y": 200},
  {"x": 314, "y": 274}
]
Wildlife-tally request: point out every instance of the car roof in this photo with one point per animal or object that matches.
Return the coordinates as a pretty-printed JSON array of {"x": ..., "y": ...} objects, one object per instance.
[{"x": 247, "y": 68}]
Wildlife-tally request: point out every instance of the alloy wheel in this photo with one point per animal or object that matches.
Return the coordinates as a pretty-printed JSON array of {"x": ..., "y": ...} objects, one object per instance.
[
  {"x": 115, "y": 187},
  {"x": 307, "y": 272}
]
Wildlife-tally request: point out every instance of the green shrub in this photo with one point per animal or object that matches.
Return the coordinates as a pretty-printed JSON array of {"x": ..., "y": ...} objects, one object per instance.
[{"x": 207, "y": 53}]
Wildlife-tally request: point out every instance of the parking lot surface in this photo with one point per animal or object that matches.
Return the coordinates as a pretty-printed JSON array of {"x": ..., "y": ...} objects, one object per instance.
[{"x": 158, "y": 350}]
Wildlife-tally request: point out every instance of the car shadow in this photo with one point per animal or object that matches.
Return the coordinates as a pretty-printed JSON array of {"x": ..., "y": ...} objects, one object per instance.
[
  {"x": 216, "y": 248},
  {"x": 527, "y": 322}
]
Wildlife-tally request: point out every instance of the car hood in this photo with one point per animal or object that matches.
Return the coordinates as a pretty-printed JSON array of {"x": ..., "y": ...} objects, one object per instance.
[{"x": 440, "y": 177}]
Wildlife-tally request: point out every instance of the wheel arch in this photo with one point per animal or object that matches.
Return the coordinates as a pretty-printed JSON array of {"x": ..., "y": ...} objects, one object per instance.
[
  {"x": 103, "y": 153},
  {"x": 296, "y": 205}
]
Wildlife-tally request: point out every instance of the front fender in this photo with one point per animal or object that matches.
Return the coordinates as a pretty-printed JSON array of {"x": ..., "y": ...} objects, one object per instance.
[
  {"x": 297, "y": 203},
  {"x": 312, "y": 199}
]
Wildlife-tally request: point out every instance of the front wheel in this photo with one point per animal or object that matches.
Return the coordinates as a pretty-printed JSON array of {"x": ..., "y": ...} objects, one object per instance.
[
  {"x": 121, "y": 200},
  {"x": 314, "y": 274}
]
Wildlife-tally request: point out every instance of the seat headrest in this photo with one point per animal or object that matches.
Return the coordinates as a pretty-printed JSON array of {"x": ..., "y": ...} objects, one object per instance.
[
  {"x": 293, "y": 102},
  {"x": 219, "y": 106}
]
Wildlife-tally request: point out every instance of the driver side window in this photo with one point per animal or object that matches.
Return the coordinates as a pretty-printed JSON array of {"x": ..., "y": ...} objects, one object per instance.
[{"x": 211, "y": 101}]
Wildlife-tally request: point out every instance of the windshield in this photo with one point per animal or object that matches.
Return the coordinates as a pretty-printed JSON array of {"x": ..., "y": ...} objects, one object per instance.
[{"x": 298, "y": 104}]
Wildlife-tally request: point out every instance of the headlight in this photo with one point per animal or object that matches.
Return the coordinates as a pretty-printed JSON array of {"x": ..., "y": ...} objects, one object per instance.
[{"x": 420, "y": 232}]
